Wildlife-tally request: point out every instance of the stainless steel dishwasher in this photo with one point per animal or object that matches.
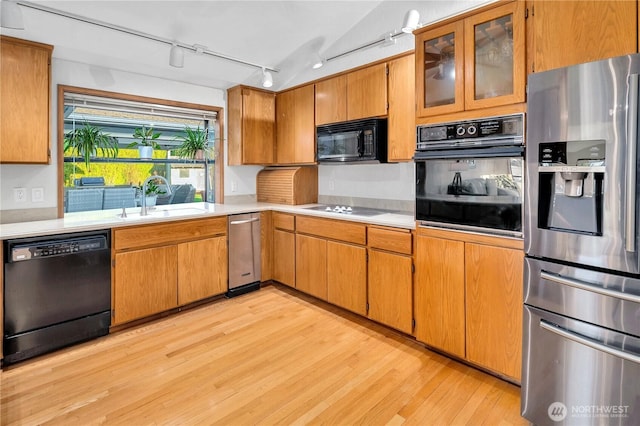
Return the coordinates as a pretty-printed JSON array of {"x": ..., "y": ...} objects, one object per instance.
[
  {"x": 244, "y": 253},
  {"x": 57, "y": 291}
]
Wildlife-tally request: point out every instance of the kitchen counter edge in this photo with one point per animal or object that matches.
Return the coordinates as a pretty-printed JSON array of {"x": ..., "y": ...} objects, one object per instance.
[{"x": 107, "y": 219}]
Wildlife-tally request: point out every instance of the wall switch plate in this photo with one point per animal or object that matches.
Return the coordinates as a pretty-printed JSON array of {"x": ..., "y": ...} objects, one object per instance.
[
  {"x": 234, "y": 186},
  {"x": 37, "y": 195},
  {"x": 20, "y": 195}
]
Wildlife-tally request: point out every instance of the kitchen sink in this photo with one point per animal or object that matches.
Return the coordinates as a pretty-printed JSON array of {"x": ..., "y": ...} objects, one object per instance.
[{"x": 157, "y": 213}]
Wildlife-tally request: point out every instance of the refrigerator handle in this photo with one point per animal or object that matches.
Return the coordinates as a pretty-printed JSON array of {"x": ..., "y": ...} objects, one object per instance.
[
  {"x": 588, "y": 287},
  {"x": 592, "y": 343},
  {"x": 632, "y": 146}
]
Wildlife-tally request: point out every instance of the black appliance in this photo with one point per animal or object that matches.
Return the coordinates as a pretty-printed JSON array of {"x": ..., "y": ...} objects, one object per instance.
[
  {"x": 469, "y": 175},
  {"x": 362, "y": 141},
  {"x": 57, "y": 291}
]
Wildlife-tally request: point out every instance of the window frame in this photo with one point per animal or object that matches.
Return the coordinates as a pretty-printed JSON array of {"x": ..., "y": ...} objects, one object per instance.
[{"x": 219, "y": 151}]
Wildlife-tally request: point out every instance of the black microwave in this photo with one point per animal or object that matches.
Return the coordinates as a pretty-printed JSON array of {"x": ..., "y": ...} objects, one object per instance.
[{"x": 362, "y": 141}]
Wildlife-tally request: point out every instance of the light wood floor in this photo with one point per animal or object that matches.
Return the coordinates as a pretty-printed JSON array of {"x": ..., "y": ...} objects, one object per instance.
[{"x": 268, "y": 357}]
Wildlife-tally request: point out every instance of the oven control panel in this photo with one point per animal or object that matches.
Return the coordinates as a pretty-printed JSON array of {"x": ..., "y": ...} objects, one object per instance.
[{"x": 494, "y": 130}]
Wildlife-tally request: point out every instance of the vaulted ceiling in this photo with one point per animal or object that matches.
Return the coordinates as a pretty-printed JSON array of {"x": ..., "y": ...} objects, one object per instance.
[{"x": 281, "y": 34}]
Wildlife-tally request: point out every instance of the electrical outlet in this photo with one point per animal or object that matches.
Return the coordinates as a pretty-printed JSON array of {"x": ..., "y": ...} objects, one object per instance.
[
  {"x": 234, "y": 186},
  {"x": 20, "y": 195},
  {"x": 37, "y": 195},
  {"x": 332, "y": 185}
]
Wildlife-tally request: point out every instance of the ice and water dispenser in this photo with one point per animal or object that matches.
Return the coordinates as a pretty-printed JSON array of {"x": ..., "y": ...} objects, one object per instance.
[{"x": 570, "y": 187}]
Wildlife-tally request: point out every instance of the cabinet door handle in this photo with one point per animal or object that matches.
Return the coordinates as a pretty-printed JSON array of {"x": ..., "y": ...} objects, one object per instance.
[
  {"x": 593, "y": 344},
  {"x": 589, "y": 287}
]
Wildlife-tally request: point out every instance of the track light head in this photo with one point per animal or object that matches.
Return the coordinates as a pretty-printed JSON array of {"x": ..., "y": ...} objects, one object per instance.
[
  {"x": 267, "y": 78},
  {"x": 176, "y": 56},
  {"x": 411, "y": 21},
  {"x": 317, "y": 62},
  {"x": 11, "y": 15}
]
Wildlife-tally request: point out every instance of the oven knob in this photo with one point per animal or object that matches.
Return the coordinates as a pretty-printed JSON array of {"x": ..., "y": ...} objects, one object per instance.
[
  {"x": 329, "y": 209},
  {"x": 460, "y": 130},
  {"x": 472, "y": 129}
]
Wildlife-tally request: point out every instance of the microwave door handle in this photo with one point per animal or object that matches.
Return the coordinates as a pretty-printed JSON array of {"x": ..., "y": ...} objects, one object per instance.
[
  {"x": 632, "y": 147},
  {"x": 360, "y": 143}
]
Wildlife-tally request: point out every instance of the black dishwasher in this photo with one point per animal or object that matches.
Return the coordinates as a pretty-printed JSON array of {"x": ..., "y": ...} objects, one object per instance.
[{"x": 57, "y": 291}]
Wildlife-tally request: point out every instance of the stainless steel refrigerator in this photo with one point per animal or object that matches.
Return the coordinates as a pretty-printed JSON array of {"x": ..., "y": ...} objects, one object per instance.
[{"x": 581, "y": 345}]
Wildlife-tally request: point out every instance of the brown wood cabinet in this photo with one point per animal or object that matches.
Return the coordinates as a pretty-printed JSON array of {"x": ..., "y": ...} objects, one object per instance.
[
  {"x": 25, "y": 80},
  {"x": 367, "y": 92},
  {"x": 1, "y": 302},
  {"x": 251, "y": 131},
  {"x": 158, "y": 267},
  {"x": 390, "y": 284},
  {"x": 331, "y": 261},
  {"x": 284, "y": 249},
  {"x": 347, "y": 276},
  {"x": 472, "y": 62},
  {"x": 494, "y": 307},
  {"x": 563, "y": 33},
  {"x": 439, "y": 294},
  {"x": 468, "y": 297},
  {"x": 295, "y": 126},
  {"x": 202, "y": 269},
  {"x": 358, "y": 94},
  {"x": 331, "y": 100},
  {"x": 145, "y": 283},
  {"x": 311, "y": 265},
  {"x": 402, "y": 108}
]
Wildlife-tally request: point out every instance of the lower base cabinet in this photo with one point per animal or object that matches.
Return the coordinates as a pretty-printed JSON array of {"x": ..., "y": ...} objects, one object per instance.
[
  {"x": 159, "y": 267},
  {"x": 202, "y": 269},
  {"x": 311, "y": 265},
  {"x": 148, "y": 280},
  {"x": 468, "y": 298},
  {"x": 347, "y": 276},
  {"x": 390, "y": 290}
]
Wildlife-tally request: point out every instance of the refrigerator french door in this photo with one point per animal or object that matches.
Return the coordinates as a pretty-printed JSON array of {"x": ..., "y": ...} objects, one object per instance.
[{"x": 581, "y": 314}]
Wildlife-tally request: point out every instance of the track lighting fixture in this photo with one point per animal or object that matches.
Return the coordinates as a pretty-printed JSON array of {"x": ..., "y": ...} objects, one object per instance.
[
  {"x": 176, "y": 56},
  {"x": 11, "y": 15},
  {"x": 411, "y": 21},
  {"x": 317, "y": 62},
  {"x": 267, "y": 78}
]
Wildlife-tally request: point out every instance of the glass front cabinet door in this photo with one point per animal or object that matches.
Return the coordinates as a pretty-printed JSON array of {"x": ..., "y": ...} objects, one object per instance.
[
  {"x": 439, "y": 59},
  {"x": 476, "y": 62},
  {"x": 494, "y": 57}
]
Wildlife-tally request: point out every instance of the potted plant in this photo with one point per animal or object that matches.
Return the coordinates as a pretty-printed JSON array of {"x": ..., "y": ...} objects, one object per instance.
[
  {"x": 194, "y": 143},
  {"x": 147, "y": 141},
  {"x": 152, "y": 193},
  {"x": 87, "y": 140}
]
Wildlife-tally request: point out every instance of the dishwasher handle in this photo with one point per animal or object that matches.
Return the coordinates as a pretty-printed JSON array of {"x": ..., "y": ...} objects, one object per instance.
[{"x": 240, "y": 222}]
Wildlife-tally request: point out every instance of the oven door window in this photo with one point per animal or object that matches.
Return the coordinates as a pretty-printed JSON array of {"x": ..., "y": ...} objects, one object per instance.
[
  {"x": 477, "y": 193},
  {"x": 339, "y": 146}
]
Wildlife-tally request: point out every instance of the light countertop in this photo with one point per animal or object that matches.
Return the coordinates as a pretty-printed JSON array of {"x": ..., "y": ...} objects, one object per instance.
[{"x": 106, "y": 219}]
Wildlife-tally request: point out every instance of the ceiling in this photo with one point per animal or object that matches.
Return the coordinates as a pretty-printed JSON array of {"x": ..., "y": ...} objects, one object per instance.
[{"x": 279, "y": 34}]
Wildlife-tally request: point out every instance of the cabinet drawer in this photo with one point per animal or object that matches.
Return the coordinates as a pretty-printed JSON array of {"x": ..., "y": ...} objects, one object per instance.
[
  {"x": 333, "y": 229},
  {"x": 168, "y": 233},
  {"x": 284, "y": 221},
  {"x": 399, "y": 241}
]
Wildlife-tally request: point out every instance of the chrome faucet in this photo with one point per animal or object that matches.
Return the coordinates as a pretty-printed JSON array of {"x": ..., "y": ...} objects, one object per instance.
[{"x": 143, "y": 211}]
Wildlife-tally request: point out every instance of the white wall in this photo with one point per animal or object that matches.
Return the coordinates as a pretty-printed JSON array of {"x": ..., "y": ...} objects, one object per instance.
[
  {"x": 88, "y": 76},
  {"x": 394, "y": 181}
]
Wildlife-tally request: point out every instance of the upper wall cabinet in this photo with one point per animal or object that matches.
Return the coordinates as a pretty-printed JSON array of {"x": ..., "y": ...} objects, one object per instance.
[
  {"x": 25, "y": 79},
  {"x": 251, "y": 130},
  {"x": 401, "y": 133},
  {"x": 358, "y": 94},
  {"x": 295, "y": 127},
  {"x": 563, "y": 33},
  {"x": 472, "y": 63}
]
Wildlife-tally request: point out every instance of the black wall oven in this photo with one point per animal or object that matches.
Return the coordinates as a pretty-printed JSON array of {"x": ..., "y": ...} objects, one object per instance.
[{"x": 469, "y": 175}]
